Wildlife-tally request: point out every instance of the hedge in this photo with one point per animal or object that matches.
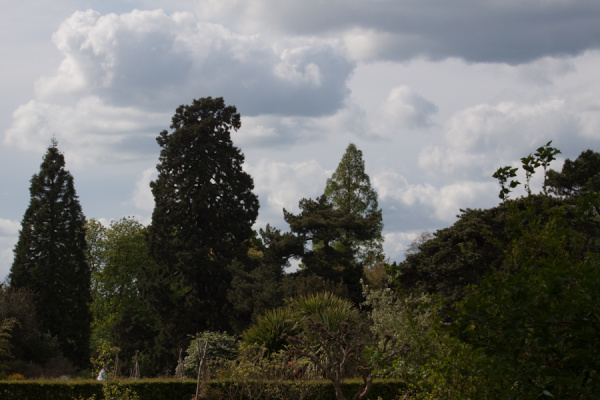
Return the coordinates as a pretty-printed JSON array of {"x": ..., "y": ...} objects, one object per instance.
[{"x": 166, "y": 389}]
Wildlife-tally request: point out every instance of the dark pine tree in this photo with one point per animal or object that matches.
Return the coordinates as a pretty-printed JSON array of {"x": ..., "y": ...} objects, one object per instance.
[
  {"x": 329, "y": 234},
  {"x": 50, "y": 258},
  {"x": 202, "y": 221}
]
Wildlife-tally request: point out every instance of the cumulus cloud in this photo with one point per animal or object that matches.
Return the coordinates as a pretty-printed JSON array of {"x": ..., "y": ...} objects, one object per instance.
[
  {"x": 122, "y": 76},
  {"x": 9, "y": 228},
  {"x": 88, "y": 130},
  {"x": 514, "y": 32},
  {"x": 280, "y": 131},
  {"x": 441, "y": 204},
  {"x": 404, "y": 109},
  {"x": 396, "y": 243},
  {"x": 282, "y": 185},
  {"x": 151, "y": 59},
  {"x": 481, "y": 138}
]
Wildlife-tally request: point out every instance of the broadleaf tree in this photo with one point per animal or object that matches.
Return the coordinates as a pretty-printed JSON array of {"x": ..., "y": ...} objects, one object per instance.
[
  {"x": 50, "y": 258},
  {"x": 117, "y": 254},
  {"x": 202, "y": 221}
]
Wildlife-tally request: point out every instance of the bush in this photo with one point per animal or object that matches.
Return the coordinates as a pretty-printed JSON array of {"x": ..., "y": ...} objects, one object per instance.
[{"x": 221, "y": 346}]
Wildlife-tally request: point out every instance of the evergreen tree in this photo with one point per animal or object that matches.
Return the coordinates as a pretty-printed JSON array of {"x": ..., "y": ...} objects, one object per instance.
[
  {"x": 327, "y": 233},
  {"x": 349, "y": 188},
  {"x": 256, "y": 284},
  {"x": 202, "y": 221},
  {"x": 577, "y": 177},
  {"x": 50, "y": 258}
]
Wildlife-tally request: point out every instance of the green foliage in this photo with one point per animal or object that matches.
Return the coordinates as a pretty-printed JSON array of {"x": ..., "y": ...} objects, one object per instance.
[
  {"x": 116, "y": 390},
  {"x": 324, "y": 308},
  {"x": 409, "y": 320},
  {"x": 257, "y": 282},
  {"x": 270, "y": 328},
  {"x": 454, "y": 257},
  {"x": 258, "y": 374},
  {"x": 577, "y": 177},
  {"x": 536, "y": 319},
  {"x": 6, "y": 326},
  {"x": 504, "y": 176},
  {"x": 529, "y": 329},
  {"x": 49, "y": 389},
  {"x": 221, "y": 347},
  {"x": 50, "y": 258},
  {"x": 169, "y": 389},
  {"x": 202, "y": 221},
  {"x": 328, "y": 332},
  {"x": 349, "y": 188},
  {"x": 327, "y": 231},
  {"x": 27, "y": 344},
  {"x": 117, "y": 254},
  {"x": 104, "y": 355}
]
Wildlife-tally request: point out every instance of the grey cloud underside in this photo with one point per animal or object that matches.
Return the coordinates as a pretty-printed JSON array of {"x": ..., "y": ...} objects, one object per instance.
[
  {"x": 507, "y": 31},
  {"x": 250, "y": 86},
  {"x": 161, "y": 61}
]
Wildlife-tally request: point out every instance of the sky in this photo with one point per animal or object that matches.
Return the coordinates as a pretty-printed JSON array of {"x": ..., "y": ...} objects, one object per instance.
[{"x": 437, "y": 94}]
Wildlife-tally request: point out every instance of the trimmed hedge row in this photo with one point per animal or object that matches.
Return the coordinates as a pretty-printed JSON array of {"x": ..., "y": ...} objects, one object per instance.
[{"x": 165, "y": 389}]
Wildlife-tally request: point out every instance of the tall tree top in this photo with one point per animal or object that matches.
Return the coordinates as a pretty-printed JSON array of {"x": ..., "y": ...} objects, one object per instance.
[{"x": 350, "y": 186}]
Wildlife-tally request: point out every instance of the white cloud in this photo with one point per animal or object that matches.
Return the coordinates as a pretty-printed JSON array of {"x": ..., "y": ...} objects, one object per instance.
[
  {"x": 396, "y": 243},
  {"x": 146, "y": 58},
  {"x": 278, "y": 131},
  {"x": 282, "y": 185},
  {"x": 88, "y": 131},
  {"x": 543, "y": 71},
  {"x": 9, "y": 231},
  {"x": 122, "y": 76},
  {"x": 404, "y": 109},
  {"x": 9, "y": 228},
  {"x": 142, "y": 196},
  {"x": 584, "y": 102},
  {"x": 445, "y": 201},
  {"x": 482, "y": 138}
]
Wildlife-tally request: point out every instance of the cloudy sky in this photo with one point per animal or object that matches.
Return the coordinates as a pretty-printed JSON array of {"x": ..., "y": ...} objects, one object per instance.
[{"x": 437, "y": 94}]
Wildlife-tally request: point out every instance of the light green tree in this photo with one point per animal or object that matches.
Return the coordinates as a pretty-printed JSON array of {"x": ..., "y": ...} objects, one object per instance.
[
  {"x": 117, "y": 254},
  {"x": 349, "y": 188}
]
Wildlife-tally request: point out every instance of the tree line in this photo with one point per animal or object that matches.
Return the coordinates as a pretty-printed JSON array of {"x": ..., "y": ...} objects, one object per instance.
[
  {"x": 503, "y": 304},
  {"x": 198, "y": 266}
]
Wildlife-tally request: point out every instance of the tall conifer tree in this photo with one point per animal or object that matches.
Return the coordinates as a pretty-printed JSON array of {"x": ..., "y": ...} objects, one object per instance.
[
  {"x": 349, "y": 189},
  {"x": 202, "y": 221},
  {"x": 50, "y": 258}
]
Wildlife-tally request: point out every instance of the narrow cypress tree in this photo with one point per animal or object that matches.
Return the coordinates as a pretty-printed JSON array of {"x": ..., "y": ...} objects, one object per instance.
[{"x": 50, "y": 258}]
